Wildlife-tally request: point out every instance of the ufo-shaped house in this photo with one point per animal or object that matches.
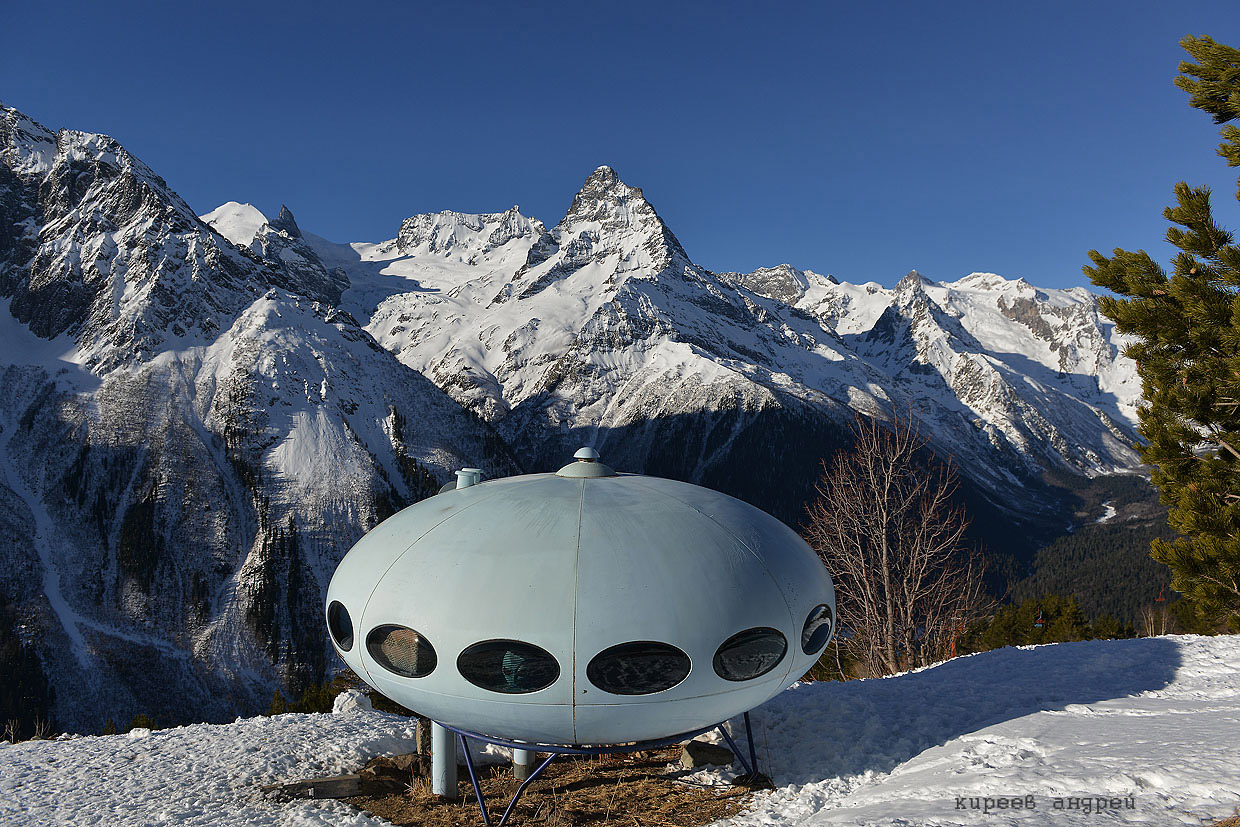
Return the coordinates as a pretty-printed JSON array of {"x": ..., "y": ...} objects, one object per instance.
[{"x": 584, "y": 607}]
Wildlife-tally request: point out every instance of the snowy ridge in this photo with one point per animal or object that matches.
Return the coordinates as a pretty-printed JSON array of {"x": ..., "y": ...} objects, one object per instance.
[
  {"x": 239, "y": 223},
  {"x": 462, "y": 236},
  {"x": 196, "y": 433},
  {"x": 209, "y": 412},
  {"x": 109, "y": 254},
  {"x": 604, "y": 322},
  {"x": 1149, "y": 722}
]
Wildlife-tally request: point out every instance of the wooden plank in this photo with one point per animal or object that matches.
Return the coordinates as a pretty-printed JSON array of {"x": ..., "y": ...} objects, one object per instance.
[{"x": 335, "y": 786}]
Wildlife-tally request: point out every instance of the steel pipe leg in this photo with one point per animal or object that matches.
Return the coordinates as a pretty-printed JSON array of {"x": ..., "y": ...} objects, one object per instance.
[
  {"x": 443, "y": 763},
  {"x": 522, "y": 763}
]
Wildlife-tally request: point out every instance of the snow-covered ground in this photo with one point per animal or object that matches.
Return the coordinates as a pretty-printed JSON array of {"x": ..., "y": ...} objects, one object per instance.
[{"x": 1149, "y": 727}]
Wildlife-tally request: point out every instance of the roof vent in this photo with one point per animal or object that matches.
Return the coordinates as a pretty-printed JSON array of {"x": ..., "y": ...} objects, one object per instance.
[{"x": 587, "y": 465}]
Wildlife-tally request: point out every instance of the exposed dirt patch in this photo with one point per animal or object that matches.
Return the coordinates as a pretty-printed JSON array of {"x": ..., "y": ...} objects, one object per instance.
[{"x": 630, "y": 790}]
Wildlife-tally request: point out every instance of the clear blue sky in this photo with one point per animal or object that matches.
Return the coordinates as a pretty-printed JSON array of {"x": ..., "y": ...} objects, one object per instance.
[{"x": 860, "y": 139}]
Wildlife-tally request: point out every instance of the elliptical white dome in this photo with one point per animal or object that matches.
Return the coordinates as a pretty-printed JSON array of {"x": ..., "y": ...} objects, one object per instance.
[{"x": 584, "y": 607}]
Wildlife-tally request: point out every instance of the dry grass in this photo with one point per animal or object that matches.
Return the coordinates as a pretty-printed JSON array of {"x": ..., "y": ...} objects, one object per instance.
[{"x": 633, "y": 790}]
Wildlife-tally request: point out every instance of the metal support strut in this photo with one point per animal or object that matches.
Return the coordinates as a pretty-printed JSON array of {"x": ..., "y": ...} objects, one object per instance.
[
  {"x": 473, "y": 779},
  {"x": 556, "y": 750},
  {"x": 751, "y": 766}
]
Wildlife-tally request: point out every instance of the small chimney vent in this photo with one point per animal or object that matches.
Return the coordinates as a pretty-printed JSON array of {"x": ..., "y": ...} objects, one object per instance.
[{"x": 587, "y": 465}]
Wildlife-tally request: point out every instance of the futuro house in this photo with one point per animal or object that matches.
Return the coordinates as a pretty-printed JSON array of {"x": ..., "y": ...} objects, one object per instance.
[{"x": 583, "y": 607}]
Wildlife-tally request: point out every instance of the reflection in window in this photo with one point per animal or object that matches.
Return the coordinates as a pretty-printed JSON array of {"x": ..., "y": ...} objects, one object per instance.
[
  {"x": 638, "y": 668},
  {"x": 749, "y": 654},
  {"x": 340, "y": 625},
  {"x": 401, "y": 650},
  {"x": 508, "y": 666},
  {"x": 817, "y": 629}
]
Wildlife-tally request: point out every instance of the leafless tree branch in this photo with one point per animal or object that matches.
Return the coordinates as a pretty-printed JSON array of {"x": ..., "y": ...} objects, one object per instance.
[{"x": 885, "y": 523}]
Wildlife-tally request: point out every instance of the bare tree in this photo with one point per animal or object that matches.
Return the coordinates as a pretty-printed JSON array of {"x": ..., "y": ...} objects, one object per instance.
[
  {"x": 1155, "y": 621},
  {"x": 885, "y": 525}
]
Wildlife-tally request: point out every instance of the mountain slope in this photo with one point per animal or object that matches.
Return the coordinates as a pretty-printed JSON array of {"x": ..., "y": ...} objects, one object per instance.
[
  {"x": 191, "y": 436},
  {"x": 198, "y": 417},
  {"x": 602, "y": 330}
]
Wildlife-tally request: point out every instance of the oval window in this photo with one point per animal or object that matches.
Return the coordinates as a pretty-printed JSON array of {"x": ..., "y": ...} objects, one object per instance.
[
  {"x": 508, "y": 666},
  {"x": 750, "y": 654},
  {"x": 401, "y": 650},
  {"x": 817, "y": 629},
  {"x": 638, "y": 668},
  {"x": 340, "y": 625}
]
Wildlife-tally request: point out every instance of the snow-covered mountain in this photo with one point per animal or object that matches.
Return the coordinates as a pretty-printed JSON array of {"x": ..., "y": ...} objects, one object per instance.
[
  {"x": 191, "y": 436},
  {"x": 199, "y": 416},
  {"x": 603, "y": 331}
]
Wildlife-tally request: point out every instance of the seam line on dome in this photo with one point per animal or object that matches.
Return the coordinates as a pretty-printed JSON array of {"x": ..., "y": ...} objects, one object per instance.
[
  {"x": 576, "y": 581},
  {"x": 775, "y": 582},
  {"x": 401, "y": 556}
]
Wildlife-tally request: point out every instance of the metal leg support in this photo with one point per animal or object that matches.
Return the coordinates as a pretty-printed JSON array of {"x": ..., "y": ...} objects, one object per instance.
[
  {"x": 473, "y": 779},
  {"x": 753, "y": 755},
  {"x": 735, "y": 750},
  {"x": 522, "y": 787},
  {"x": 443, "y": 762}
]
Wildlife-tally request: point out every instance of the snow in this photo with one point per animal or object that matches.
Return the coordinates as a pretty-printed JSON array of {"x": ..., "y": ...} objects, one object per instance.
[
  {"x": 316, "y": 448},
  {"x": 1154, "y": 719},
  {"x": 32, "y": 149},
  {"x": 19, "y": 346},
  {"x": 1108, "y": 513},
  {"x": 352, "y": 700},
  {"x": 1150, "y": 727},
  {"x": 195, "y": 775},
  {"x": 238, "y": 223},
  {"x": 43, "y": 534},
  {"x": 611, "y": 300}
]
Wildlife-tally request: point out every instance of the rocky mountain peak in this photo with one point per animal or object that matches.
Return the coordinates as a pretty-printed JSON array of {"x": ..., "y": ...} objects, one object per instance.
[
  {"x": 782, "y": 282},
  {"x": 605, "y": 175},
  {"x": 284, "y": 222},
  {"x": 127, "y": 266},
  {"x": 606, "y": 210},
  {"x": 467, "y": 235},
  {"x": 913, "y": 281},
  {"x": 605, "y": 199},
  {"x": 25, "y": 144}
]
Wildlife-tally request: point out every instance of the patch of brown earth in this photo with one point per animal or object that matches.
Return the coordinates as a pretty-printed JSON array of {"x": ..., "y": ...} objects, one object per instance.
[{"x": 631, "y": 790}]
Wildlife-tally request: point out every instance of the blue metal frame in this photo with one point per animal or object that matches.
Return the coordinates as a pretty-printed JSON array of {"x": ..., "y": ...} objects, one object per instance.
[{"x": 556, "y": 750}]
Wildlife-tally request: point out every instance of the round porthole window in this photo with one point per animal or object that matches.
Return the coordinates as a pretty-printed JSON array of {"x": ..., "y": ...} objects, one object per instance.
[
  {"x": 638, "y": 668},
  {"x": 340, "y": 625},
  {"x": 401, "y": 650},
  {"x": 508, "y": 666},
  {"x": 750, "y": 654},
  {"x": 817, "y": 629}
]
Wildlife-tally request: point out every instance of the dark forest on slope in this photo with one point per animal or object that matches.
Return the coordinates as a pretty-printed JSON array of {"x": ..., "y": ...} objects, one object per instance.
[{"x": 1106, "y": 566}]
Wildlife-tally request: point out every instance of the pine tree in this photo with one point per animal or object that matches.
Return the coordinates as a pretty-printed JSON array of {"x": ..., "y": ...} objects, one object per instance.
[{"x": 1188, "y": 356}]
